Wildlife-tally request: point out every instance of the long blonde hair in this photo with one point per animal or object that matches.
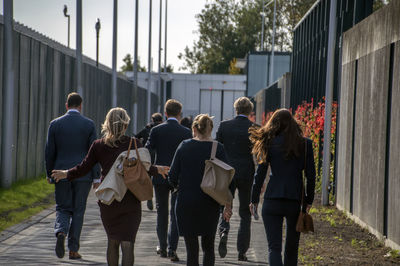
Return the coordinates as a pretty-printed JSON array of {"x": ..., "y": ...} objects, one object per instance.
[{"x": 114, "y": 126}]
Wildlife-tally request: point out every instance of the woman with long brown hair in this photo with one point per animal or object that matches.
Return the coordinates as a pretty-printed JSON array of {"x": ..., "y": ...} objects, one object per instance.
[
  {"x": 120, "y": 219},
  {"x": 280, "y": 144}
]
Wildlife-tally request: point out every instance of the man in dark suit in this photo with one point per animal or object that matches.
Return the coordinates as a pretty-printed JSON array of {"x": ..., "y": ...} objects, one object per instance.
[
  {"x": 143, "y": 135},
  {"x": 164, "y": 139},
  {"x": 68, "y": 141},
  {"x": 234, "y": 134}
]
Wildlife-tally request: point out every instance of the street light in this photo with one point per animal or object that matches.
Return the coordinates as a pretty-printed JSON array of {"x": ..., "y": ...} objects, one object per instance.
[
  {"x": 263, "y": 21},
  {"x": 67, "y": 16},
  {"x": 97, "y": 27}
]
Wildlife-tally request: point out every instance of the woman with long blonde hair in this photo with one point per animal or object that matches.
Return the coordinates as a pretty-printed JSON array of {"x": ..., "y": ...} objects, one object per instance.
[
  {"x": 120, "y": 219},
  {"x": 280, "y": 144}
]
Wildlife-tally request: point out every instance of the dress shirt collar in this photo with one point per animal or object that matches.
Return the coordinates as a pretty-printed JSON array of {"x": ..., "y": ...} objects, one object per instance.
[
  {"x": 172, "y": 118},
  {"x": 72, "y": 110}
]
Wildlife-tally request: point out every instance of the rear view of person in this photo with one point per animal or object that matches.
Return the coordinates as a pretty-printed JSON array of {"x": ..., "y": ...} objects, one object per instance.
[
  {"x": 164, "y": 139},
  {"x": 234, "y": 135},
  {"x": 280, "y": 144},
  {"x": 197, "y": 213}
]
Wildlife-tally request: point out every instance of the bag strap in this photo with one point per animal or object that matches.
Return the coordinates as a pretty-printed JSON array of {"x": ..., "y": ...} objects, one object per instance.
[
  {"x": 304, "y": 170},
  {"x": 137, "y": 152},
  {"x": 213, "y": 150},
  {"x": 129, "y": 149}
]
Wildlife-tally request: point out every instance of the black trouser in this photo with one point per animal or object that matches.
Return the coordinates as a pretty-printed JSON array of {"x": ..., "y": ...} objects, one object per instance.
[
  {"x": 273, "y": 212},
  {"x": 243, "y": 239},
  {"x": 162, "y": 197},
  {"x": 192, "y": 249}
]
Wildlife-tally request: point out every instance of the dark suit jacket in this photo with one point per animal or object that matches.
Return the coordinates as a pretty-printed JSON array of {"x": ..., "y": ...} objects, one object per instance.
[
  {"x": 286, "y": 174},
  {"x": 234, "y": 134},
  {"x": 164, "y": 139},
  {"x": 68, "y": 141}
]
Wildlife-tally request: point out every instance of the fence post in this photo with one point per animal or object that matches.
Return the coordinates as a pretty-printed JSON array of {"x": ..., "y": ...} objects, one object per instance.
[{"x": 328, "y": 104}]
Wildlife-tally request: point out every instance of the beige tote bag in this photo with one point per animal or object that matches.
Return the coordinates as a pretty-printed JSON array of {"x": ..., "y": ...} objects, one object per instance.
[{"x": 217, "y": 178}]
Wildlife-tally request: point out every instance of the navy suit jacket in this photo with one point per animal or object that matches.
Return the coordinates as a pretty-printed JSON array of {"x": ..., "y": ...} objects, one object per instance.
[
  {"x": 234, "y": 134},
  {"x": 68, "y": 141},
  {"x": 164, "y": 139},
  {"x": 286, "y": 174}
]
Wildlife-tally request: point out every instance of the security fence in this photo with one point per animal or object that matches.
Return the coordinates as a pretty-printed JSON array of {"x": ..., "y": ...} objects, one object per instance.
[{"x": 44, "y": 74}]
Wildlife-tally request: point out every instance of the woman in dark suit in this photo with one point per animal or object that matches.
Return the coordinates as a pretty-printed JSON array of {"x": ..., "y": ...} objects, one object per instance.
[
  {"x": 280, "y": 144},
  {"x": 120, "y": 219},
  {"x": 196, "y": 213}
]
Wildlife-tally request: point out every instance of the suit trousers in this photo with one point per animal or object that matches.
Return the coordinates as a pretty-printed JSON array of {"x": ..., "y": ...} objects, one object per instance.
[
  {"x": 162, "y": 196},
  {"x": 71, "y": 198},
  {"x": 244, "y": 190},
  {"x": 273, "y": 212}
]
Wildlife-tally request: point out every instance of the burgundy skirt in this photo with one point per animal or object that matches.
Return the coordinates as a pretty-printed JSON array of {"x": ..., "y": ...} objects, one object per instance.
[{"x": 121, "y": 220}]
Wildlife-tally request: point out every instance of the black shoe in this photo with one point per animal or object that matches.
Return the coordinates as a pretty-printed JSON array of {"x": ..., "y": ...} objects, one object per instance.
[
  {"x": 242, "y": 257},
  {"x": 222, "y": 245},
  {"x": 173, "y": 256},
  {"x": 150, "y": 205},
  {"x": 60, "y": 250},
  {"x": 161, "y": 252}
]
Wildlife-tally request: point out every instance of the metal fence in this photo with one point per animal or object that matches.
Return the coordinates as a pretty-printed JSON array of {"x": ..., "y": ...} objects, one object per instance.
[
  {"x": 44, "y": 74},
  {"x": 310, "y": 47}
]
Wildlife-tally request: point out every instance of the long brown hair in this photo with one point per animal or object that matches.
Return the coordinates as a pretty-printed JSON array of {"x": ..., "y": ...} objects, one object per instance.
[{"x": 281, "y": 122}]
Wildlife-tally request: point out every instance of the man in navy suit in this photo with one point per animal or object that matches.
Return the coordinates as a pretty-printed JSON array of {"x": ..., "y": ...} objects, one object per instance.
[
  {"x": 234, "y": 134},
  {"x": 68, "y": 141},
  {"x": 164, "y": 139}
]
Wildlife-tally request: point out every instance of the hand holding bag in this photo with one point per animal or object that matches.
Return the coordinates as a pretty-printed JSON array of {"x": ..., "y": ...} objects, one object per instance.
[
  {"x": 305, "y": 222},
  {"x": 136, "y": 177},
  {"x": 217, "y": 177}
]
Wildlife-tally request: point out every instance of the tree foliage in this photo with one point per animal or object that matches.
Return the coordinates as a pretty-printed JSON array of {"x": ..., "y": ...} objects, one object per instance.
[
  {"x": 128, "y": 64},
  {"x": 229, "y": 29}
]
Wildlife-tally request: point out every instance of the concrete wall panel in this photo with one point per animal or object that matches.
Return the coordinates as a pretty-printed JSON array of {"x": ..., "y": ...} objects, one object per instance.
[
  {"x": 394, "y": 154},
  {"x": 345, "y": 136},
  {"x": 370, "y": 137}
]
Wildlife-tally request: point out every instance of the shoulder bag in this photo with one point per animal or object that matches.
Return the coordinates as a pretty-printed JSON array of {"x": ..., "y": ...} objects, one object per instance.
[
  {"x": 136, "y": 177},
  {"x": 217, "y": 177},
  {"x": 305, "y": 222}
]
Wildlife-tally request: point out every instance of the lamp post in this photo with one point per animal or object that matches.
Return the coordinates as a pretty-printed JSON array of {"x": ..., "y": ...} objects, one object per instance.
[
  {"x": 159, "y": 58},
  {"x": 97, "y": 27},
  {"x": 114, "y": 56},
  {"x": 165, "y": 50},
  {"x": 148, "y": 113},
  {"x": 79, "y": 79},
  {"x": 135, "y": 67},
  {"x": 67, "y": 16}
]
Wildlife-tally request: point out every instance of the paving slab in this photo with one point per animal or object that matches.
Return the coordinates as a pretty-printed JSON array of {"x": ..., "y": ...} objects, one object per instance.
[{"x": 32, "y": 242}]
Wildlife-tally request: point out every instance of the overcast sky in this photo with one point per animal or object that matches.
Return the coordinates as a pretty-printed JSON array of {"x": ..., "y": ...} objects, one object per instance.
[{"x": 46, "y": 16}]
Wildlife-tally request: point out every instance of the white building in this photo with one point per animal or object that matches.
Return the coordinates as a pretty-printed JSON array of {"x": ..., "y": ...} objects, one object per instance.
[{"x": 213, "y": 94}]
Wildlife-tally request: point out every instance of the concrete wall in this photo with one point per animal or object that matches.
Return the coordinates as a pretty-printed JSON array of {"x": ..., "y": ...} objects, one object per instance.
[
  {"x": 368, "y": 179},
  {"x": 44, "y": 75}
]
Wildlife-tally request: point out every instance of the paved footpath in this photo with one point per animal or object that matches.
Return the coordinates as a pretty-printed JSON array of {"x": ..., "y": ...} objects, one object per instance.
[{"x": 33, "y": 242}]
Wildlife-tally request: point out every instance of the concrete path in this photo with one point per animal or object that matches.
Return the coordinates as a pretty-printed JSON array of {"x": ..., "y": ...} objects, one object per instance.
[{"x": 33, "y": 242}]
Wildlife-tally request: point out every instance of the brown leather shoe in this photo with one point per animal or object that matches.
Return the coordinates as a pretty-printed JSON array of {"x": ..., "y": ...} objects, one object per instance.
[{"x": 73, "y": 255}]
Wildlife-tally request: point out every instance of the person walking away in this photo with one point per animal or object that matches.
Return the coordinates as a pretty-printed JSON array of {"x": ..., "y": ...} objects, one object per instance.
[
  {"x": 164, "y": 139},
  {"x": 196, "y": 213},
  {"x": 120, "y": 219},
  {"x": 143, "y": 135},
  {"x": 280, "y": 144},
  {"x": 68, "y": 140},
  {"x": 234, "y": 135}
]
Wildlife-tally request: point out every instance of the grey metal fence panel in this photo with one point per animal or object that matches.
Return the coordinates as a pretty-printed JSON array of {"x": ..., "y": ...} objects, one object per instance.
[
  {"x": 1, "y": 82},
  {"x": 33, "y": 109},
  {"x": 23, "y": 106}
]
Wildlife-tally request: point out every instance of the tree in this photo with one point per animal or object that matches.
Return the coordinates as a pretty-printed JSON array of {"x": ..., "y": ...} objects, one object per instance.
[
  {"x": 229, "y": 29},
  {"x": 170, "y": 68},
  {"x": 129, "y": 64}
]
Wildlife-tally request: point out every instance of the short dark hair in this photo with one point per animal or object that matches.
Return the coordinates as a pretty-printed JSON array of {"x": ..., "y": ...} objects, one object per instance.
[
  {"x": 74, "y": 100},
  {"x": 173, "y": 107},
  {"x": 156, "y": 117}
]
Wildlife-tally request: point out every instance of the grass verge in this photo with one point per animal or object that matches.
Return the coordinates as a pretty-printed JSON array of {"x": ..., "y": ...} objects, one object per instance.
[{"x": 24, "y": 199}]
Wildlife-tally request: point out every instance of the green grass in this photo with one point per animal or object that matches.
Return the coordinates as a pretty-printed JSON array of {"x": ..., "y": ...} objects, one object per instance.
[{"x": 24, "y": 199}]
